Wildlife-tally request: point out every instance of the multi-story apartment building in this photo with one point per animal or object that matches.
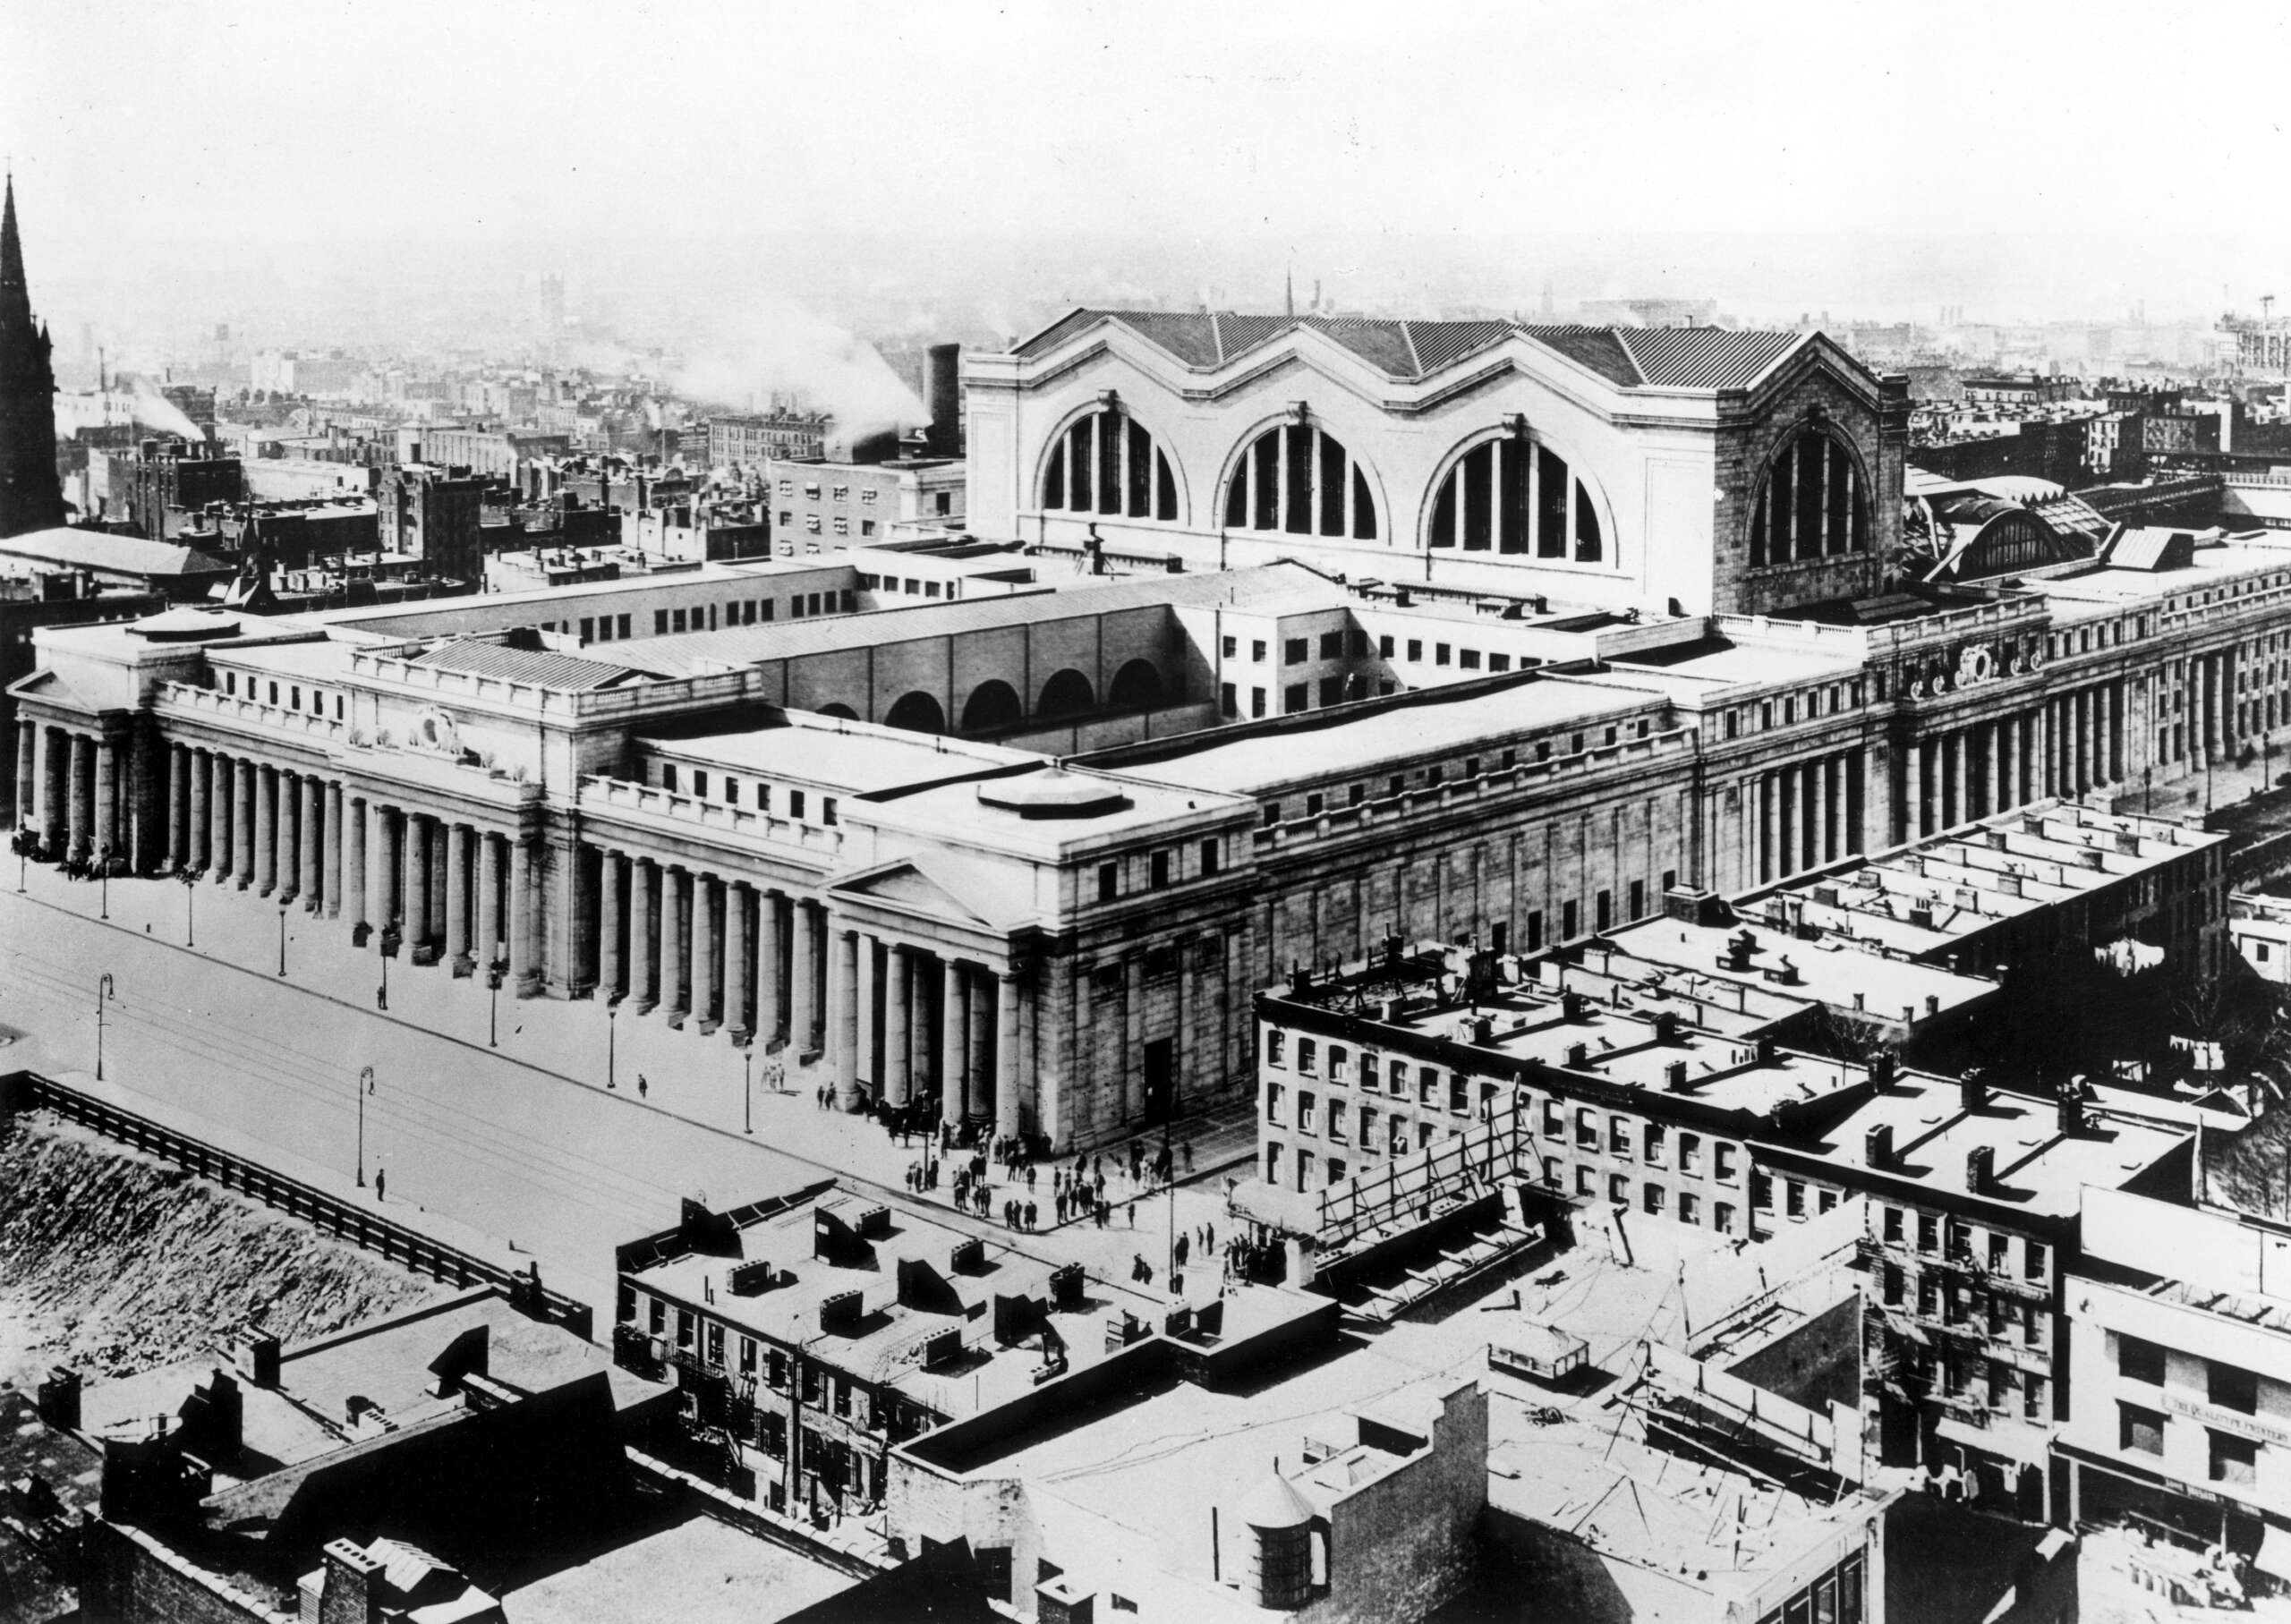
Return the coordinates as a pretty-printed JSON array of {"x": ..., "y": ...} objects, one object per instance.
[
  {"x": 820, "y": 504},
  {"x": 744, "y": 439}
]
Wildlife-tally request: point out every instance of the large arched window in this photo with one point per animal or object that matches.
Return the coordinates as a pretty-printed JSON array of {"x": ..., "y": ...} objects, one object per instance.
[
  {"x": 1812, "y": 504},
  {"x": 1106, "y": 463},
  {"x": 1295, "y": 478},
  {"x": 1514, "y": 495}
]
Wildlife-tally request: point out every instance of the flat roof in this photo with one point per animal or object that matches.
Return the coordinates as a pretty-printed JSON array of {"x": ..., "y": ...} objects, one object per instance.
[
  {"x": 696, "y": 1569},
  {"x": 1718, "y": 659},
  {"x": 1828, "y": 972},
  {"x": 2214, "y": 564},
  {"x": 1359, "y": 738},
  {"x": 2037, "y": 1168},
  {"x": 858, "y": 761},
  {"x": 693, "y": 651}
]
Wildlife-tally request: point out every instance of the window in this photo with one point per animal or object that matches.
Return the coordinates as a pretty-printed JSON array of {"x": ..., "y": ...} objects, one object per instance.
[
  {"x": 1332, "y": 645},
  {"x": 1160, "y": 871},
  {"x": 1656, "y": 1138},
  {"x": 1308, "y": 1056},
  {"x": 1107, "y": 463},
  {"x": 1108, "y": 881},
  {"x": 1619, "y": 1135},
  {"x": 1689, "y": 1152},
  {"x": 2233, "y": 1460},
  {"x": 1305, "y": 1120},
  {"x": 1587, "y": 1182},
  {"x": 1298, "y": 479},
  {"x": 2138, "y": 1431},
  {"x": 1890, "y": 1225},
  {"x": 1336, "y": 1122},
  {"x": 795, "y": 804},
  {"x": 2034, "y": 1259},
  {"x": 1511, "y": 495},
  {"x": 1257, "y": 648},
  {"x": 1723, "y": 1159},
  {"x": 1690, "y": 1207},
  {"x": 1256, "y": 701},
  {"x": 1210, "y": 859},
  {"x": 1294, "y": 699},
  {"x": 2232, "y": 1388},
  {"x": 1587, "y": 1128},
  {"x": 1929, "y": 1232},
  {"x": 1276, "y": 1045},
  {"x": 1468, "y": 659},
  {"x": 1812, "y": 504},
  {"x": 1653, "y": 1201},
  {"x": 1229, "y": 701},
  {"x": 1293, "y": 652},
  {"x": 1794, "y": 1195},
  {"x": 1619, "y": 1188}
]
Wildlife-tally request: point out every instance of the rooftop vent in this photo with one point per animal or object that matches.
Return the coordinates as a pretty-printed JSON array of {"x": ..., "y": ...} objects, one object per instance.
[
  {"x": 841, "y": 1313},
  {"x": 1674, "y": 1076},
  {"x": 1877, "y": 1146},
  {"x": 1973, "y": 1093},
  {"x": 1578, "y": 1056},
  {"x": 968, "y": 1257},
  {"x": 751, "y": 1279},
  {"x": 1980, "y": 1168}
]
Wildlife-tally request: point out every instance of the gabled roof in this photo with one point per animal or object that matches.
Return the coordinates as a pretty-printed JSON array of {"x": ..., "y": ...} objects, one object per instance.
[
  {"x": 1663, "y": 358},
  {"x": 97, "y": 549}
]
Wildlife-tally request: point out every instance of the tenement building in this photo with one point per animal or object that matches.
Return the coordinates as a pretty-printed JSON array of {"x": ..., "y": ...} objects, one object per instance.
[{"x": 1277, "y": 639}]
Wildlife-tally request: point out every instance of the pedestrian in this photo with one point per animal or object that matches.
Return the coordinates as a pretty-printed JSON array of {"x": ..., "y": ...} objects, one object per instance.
[
  {"x": 381, "y": 1182},
  {"x": 1030, "y": 1177},
  {"x": 1133, "y": 1215},
  {"x": 1100, "y": 1190},
  {"x": 1188, "y": 1158},
  {"x": 1183, "y": 1246},
  {"x": 1031, "y": 1219},
  {"x": 643, "y": 1087},
  {"x": 1209, "y": 1237}
]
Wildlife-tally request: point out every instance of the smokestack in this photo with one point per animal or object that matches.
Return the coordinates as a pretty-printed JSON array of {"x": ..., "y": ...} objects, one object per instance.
[{"x": 943, "y": 395}]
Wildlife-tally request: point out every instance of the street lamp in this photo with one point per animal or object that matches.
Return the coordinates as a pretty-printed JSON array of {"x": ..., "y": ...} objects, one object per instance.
[
  {"x": 365, "y": 1087},
  {"x": 612, "y": 1032},
  {"x": 103, "y": 996},
  {"x": 282, "y": 939},
  {"x": 494, "y": 970},
  {"x": 190, "y": 889},
  {"x": 747, "y": 1090},
  {"x": 103, "y": 873}
]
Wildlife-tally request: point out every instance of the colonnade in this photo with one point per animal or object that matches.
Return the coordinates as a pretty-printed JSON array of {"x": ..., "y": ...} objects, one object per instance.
[
  {"x": 887, "y": 1019},
  {"x": 1807, "y": 814},
  {"x": 78, "y": 785},
  {"x": 2065, "y": 746}
]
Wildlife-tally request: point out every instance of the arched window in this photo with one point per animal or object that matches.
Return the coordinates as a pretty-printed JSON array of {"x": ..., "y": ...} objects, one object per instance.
[
  {"x": 1514, "y": 495},
  {"x": 1295, "y": 478},
  {"x": 1066, "y": 693},
  {"x": 993, "y": 703},
  {"x": 918, "y": 712},
  {"x": 1107, "y": 463},
  {"x": 1812, "y": 504},
  {"x": 1136, "y": 686}
]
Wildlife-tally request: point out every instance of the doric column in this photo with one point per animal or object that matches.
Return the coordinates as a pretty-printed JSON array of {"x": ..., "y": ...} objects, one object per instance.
[
  {"x": 1765, "y": 814},
  {"x": 612, "y": 906},
  {"x": 389, "y": 841},
  {"x": 672, "y": 944},
  {"x": 770, "y": 978},
  {"x": 803, "y": 980},
  {"x": 458, "y": 933},
  {"x": 1809, "y": 778},
  {"x": 178, "y": 806},
  {"x": 952, "y": 1105},
  {"x": 1786, "y": 822},
  {"x": 703, "y": 952},
  {"x": 739, "y": 1002},
  {"x": 108, "y": 845},
  {"x": 1829, "y": 774},
  {"x": 262, "y": 808},
  {"x": 354, "y": 858},
  {"x": 978, "y": 990},
  {"x": 55, "y": 790},
  {"x": 524, "y": 966},
  {"x": 84, "y": 795},
  {"x": 330, "y": 866},
  {"x": 2111, "y": 732},
  {"x": 1007, "y": 995},
  {"x": 898, "y": 1019},
  {"x": 843, "y": 1013},
  {"x": 1913, "y": 810},
  {"x": 640, "y": 935},
  {"x": 27, "y": 772},
  {"x": 1961, "y": 775},
  {"x": 492, "y": 849},
  {"x": 197, "y": 852},
  {"x": 419, "y": 923},
  {"x": 310, "y": 844}
]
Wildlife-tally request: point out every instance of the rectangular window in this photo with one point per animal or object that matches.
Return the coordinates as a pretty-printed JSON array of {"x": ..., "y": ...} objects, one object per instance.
[
  {"x": 1654, "y": 1200},
  {"x": 1108, "y": 881},
  {"x": 1160, "y": 870},
  {"x": 1273, "y": 1098},
  {"x": 1440, "y": 653},
  {"x": 1210, "y": 859},
  {"x": 2233, "y": 1388},
  {"x": 2233, "y": 1460},
  {"x": 1332, "y": 645},
  {"x": 1415, "y": 649},
  {"x": 2138, "y": 1431},
  {"x": 1656, "y": 1139},
  {"x": 1336, "y": 1120},
  {"x": 1793, "y": 1195},
  {"x": 1690, "y": 1207},
  {"x": 1294, "y": 699},
  {"x": 1293, "y": 652},
  {"x": 1256, "y": 701},
  {"x": 1385, "y": 647},
  {"x": 1228, "y": 701}
]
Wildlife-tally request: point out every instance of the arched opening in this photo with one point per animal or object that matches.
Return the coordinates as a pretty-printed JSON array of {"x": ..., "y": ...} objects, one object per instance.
[
  {"x": 1812, "y": 504},
  {"x": 1106, "y": 462},
  {"x": 1513, "y": 495},
  {"x": 1136, "y": 686},
  {"x": 841, "y": 712},
  {"x": 918, "y": 712},
  {"x": 1299, "y": 479},
  {"x": 1068, "y": 693},
  {"x": 993, "y": 703}
]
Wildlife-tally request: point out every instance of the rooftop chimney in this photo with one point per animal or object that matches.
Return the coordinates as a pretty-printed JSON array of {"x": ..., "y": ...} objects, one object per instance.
[
  {"x": 353, "y": 1585},
  {"x": 57, "y": 1402},
  {"x": 1877, "y": 1146},
  {"x": 943, "y": 395},
  {"x": 2071, "y": 1103},
  {"x": 1980, "y": 1167},
  {"x": 1973, "y": 1093},
  {"x": 1674, "y": 1076},
  {"x": 256, "y": 1358}
]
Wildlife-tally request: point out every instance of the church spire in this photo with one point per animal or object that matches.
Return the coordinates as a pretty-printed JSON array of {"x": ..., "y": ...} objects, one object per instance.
[
  {"x": 15, "y": 293},
  {"x": 32, "y": 495}
]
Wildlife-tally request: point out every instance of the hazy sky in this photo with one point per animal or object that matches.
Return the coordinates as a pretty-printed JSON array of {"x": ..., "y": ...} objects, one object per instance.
[{"x": 271, "y": 126}]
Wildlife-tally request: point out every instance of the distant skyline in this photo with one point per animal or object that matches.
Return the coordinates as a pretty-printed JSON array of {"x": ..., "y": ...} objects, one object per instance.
[{"x": 2025, "y": 161}]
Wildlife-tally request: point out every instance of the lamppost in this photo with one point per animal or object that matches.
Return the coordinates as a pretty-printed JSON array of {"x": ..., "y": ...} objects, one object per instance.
[
  {"x": 612, "y": 1033},
  {"x": 282, "y": 939},
  {"x": 190, "y": 889},
  {"x": 747, "y": 1090},
  {"x": 365, "y": 1087},
  {"x": 493, "y": 976},
  {"x": 103, "y": 874},
  {"x": 103, "y": 996}
]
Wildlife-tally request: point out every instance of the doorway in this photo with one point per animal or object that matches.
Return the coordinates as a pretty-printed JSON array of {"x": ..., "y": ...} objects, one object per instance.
[{"x": 1161, "y": 1079}]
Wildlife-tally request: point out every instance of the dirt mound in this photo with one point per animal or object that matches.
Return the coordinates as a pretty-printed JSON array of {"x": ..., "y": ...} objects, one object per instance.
[{"x": 116, "y": 1262}]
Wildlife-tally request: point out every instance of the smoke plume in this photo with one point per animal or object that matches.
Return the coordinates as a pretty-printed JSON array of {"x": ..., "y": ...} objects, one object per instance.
[
  {"x": 139, "y": 402},
  {"x": 776, "y": 346}
]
